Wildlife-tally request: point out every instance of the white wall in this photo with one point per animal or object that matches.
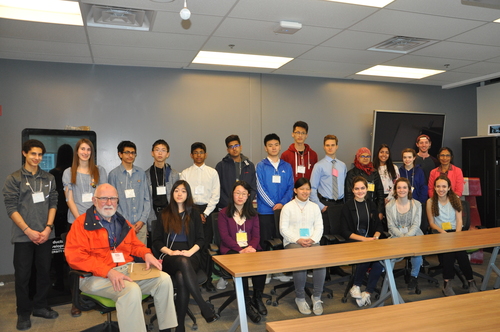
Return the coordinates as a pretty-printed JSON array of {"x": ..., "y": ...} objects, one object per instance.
[
  {"x": 488, "y": 107},
  {"x": 144, "y": 104}
]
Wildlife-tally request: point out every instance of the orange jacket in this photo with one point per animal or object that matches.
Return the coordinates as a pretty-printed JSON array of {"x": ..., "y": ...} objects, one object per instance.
[{"x": 87, "y": 245}]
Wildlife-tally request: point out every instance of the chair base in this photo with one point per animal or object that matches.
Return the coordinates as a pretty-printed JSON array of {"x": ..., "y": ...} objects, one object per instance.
[{"x": 108, "y": 326}]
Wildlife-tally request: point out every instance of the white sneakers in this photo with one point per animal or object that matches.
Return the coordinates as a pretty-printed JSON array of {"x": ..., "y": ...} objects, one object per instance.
[
  {"x": 281, "y": 277},
  {"x": 364, "y": 300},
  {"x": 303, "y": 306},
  {"x": 221, "y": 284},
  {"x": 317, "y": 306},
  {"x": 355, "y": 292}
]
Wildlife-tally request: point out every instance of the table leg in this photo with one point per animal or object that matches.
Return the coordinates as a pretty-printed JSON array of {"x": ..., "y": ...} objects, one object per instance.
[
  {"x": 242, "y": 313},
  {"x": 491, "y": 267},
  {"x": 389, "y": 272}
]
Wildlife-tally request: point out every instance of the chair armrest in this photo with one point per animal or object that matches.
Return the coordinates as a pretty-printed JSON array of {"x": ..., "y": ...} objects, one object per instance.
[
  {"x": 213, "y": 247},
  {"x": 78, "y": 301},
  {"x": 275, "y": 243},
  {"x": 333, "y": 238}
]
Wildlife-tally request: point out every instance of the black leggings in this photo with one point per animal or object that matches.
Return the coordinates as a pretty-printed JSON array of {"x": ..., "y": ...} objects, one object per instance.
[
  {"x": 182, "y": 271},
  {"x": 259, "y": 282}
]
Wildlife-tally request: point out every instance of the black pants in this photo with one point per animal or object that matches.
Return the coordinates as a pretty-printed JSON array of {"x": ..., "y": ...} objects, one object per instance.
[
  {"x": 208, "y": 233},
  {"x": 259, "y": 282},
  {"x": 331, "y": 217},
  {"x": 267, "y": 230},
  {"x": 448, "y": 262},
  {"x": 25, "y": 253}
]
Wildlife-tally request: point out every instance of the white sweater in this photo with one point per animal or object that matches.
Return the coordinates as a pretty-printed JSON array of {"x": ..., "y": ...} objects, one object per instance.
[{"x": 292, "y": 219}]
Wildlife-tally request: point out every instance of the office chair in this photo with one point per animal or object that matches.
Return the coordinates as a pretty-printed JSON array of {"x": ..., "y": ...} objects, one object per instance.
[
  {"x": 87, "y": 302},
  {"x": 436, "y": 270},
  {"x": 215, "y": 250},
  {"x": 332, "y": 236}
]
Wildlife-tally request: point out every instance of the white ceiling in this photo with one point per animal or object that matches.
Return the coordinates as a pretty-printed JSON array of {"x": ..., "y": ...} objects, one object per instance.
[{"x": 332, "y": 43}]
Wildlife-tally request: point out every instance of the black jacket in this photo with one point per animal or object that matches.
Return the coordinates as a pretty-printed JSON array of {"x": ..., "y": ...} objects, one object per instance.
[
  {"x": 349, "y": 220},
  {"x": 227, "y": 177},
  {"x": 195, "y": 235},
  {"x": 377, "y": 196}
]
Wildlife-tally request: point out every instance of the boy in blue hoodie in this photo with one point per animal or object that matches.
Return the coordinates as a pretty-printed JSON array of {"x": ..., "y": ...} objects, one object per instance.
[{"x": 274, "y": 187}]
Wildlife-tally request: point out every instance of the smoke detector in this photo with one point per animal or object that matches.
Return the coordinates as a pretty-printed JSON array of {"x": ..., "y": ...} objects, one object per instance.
[{"x": 288, "y": 28}]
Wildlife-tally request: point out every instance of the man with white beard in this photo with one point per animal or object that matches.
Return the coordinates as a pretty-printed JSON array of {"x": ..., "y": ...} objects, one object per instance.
[{"x": 101, "y": 241}]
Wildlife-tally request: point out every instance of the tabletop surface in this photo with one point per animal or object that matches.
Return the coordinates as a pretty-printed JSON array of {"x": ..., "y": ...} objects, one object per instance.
[
  {"x": 467, "y": 312},
  {"x": 266, "y": 262}
]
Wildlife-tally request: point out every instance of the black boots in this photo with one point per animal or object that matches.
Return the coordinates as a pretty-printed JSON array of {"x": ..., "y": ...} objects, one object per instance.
[
  {"x": 257, "y": 302},
  {"x": 252, "y": 314}
]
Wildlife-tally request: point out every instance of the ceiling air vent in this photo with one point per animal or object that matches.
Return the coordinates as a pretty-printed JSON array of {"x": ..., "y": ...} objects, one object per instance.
[
  {"x": 119, "y": 18},
  {"x": 401, "y": 44},
  {"x": 495, "y": 4}
]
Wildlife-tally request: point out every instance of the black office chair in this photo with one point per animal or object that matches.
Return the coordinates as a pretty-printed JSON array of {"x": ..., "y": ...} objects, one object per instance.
[
  {"x": 436, "y": 270},
  {"x": 332, "y": 236},
  {"x": 215, "y": 250}
]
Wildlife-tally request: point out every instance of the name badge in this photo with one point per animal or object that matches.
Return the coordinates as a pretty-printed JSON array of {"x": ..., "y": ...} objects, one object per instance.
[
  {"x": 446, "y": 226},
  {"x": 129, "y": 193},
  {"x": 161, "y": 190},
  {"x": 301, "y": 169},
  {"x": 404, "y": 230},
  {"x": 241, "y": 237},
  {"x": 276, "y": 179},
  {"x": 304, "y": 232},
  {"x": 199, "y": 190},
  {"x": 335, "y": 172},
  {"x": 87, "y": 197},
  {"x": 38, "y": 197},
  {"x": 118, "y": 257},
  {"x": 371, "y": 186}
]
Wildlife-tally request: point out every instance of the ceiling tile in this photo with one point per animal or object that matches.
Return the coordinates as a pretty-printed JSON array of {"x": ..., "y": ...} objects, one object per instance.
[
  {"x": 399, "y": 23},
  {"x": 460, "y": 51},
  {"x": 348, "y": 56}
]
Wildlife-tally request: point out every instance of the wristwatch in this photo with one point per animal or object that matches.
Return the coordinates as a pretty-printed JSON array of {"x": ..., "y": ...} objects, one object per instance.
[{"x": 50, "y": 226}]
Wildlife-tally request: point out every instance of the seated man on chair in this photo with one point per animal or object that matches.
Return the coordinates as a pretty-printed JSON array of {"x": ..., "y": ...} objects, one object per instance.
[{"x": 101, "y": 241}]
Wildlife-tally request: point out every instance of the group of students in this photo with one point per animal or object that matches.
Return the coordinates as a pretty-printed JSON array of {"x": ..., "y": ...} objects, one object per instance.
[{"x": 176, "y": 208}]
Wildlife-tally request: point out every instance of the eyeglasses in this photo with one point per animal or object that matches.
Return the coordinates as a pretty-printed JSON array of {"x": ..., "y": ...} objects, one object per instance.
[
  {"x": 133, "y": 153},
  {"x": 445, "y": 155},
  {"x": 234, "y": 146},
  {"x": 241, "y": 194},
  {"x": 105, "y": 199},
  {"x": 301, "y": 133},
  {"x": 363, "y": 156}
]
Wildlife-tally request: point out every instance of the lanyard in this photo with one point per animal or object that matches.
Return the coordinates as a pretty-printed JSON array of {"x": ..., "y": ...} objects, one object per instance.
[
  {"x": 156, "y": 175},
  {"x": 29, "y": 184}
]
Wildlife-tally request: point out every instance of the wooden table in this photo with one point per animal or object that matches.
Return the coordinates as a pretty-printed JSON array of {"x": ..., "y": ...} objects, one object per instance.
[
  {"x": 350, "y": 253},
  {"x": 467, "y": 312}
]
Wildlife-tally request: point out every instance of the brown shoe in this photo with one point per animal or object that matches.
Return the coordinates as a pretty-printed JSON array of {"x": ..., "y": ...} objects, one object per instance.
[{"x": 75, "y": 312}]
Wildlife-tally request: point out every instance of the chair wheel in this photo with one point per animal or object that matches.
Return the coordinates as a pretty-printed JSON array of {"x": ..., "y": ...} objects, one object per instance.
[
  {"x": 273, "y": 292},
  {"x": 344, "y": 300},
  {"x": 418, "y": 291},
  {"x": 275, "y": 303},
  {"x": 330, "y": 296},
  {"x": 195, "y": 327},
  {"x": 150, "y": 327},
  {"x": 269, "y": 302},
  {"x": 208, "y": 301},
  {"x": 377, "y": 296},
  {"x": 147, "y": 311}
]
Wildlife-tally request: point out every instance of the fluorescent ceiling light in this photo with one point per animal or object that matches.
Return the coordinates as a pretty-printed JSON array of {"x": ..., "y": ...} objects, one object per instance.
[
  {"x": 370, "y": 3},
  {"x": 46, "y": 11},
  {"x": 239, "y": 59},
  {"x": 497, "y": 21},
  {"x": 403, "y": 72}
]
